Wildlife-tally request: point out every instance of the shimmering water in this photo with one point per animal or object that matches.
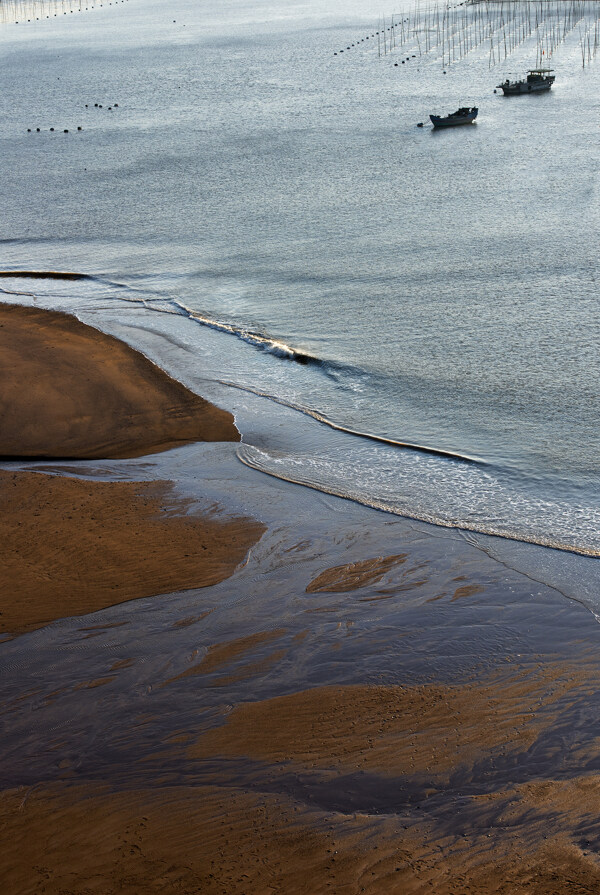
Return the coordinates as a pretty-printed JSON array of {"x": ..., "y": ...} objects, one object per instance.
[{"x": 435, "y": 288}]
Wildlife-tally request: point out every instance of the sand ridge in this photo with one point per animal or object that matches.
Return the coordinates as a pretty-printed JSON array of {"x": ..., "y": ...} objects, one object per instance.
[{"x": 70, "y": 391}]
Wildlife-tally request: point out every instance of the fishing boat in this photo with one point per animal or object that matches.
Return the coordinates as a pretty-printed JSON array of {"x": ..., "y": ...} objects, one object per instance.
[
  {"x": 537, "y": 79},
  {"x": 461, "y": 116}
]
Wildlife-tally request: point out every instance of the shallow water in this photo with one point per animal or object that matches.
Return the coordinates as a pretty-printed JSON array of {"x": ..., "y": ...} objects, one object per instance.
[{"x": 318, "y": 248}]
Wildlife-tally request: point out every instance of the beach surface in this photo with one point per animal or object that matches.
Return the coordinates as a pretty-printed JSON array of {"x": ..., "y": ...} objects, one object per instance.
[
  {"x": 356, "y": 704},
  {"x": 71, "y": 392},
  {"x": 73, "y": 547}
]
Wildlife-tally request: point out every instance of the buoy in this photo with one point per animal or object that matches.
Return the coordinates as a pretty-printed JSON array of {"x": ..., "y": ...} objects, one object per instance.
[
  {"x": 51, "y": 128},
  {"x": 403, "y": 62},
  {"x": 79, "y": 128},
  {"x": 116, "y": 105},
  {"x": 420, "y": 124},
  {"x": 444, "y": 72},
  {"x": 494, "y": 91},
  {"x": 28, "y": 129},
  {"x": 86, "y": 105},
  {"x": 395, "y": 65},
  {"x": 65, "y": 131},
  {"x": 37, "y": 129},
  {"x": 95, "y": 105}
]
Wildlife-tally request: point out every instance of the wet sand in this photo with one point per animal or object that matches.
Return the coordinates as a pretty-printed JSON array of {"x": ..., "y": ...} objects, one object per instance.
[
  {"x": 323, "y": 722},
  {"x": 72, "y": 546},
  {"x": 69, "y": 391},
  {"x": 282, "y": 818}
]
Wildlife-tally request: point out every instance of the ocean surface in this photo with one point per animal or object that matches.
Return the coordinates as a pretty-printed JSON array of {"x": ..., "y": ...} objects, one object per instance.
[{"x": 402, "y": 317}]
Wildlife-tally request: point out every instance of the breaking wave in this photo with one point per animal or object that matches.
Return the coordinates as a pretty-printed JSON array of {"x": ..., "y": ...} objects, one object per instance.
[
  {"x": 257, "y": 340},
  {"x": 447, "y": 494},
  {"x": 369, "y": 436}
]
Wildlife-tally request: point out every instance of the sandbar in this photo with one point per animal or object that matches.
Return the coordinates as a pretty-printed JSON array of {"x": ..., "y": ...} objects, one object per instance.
[
  {"x": 70, "y": 391},
  {"x": 73, "y": 546}
]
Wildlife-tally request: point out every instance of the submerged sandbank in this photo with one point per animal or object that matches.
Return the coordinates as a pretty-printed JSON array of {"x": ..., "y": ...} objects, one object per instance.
[{"x": 70, "y": 391}]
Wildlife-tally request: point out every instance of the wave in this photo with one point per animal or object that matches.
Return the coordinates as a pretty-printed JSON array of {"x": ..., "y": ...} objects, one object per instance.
[
  {"x": 301, "y": 471},
  {"x": 66, "y": 275},
  {"x": 45, "y": 275},
  {"x": 330, "y": 368},
  {"x": 369, "y": 436},
  {"x": 257, "y": 340}
]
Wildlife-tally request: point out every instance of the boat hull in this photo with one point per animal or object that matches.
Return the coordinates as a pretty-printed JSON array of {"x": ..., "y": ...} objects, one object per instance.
[
  {"x": 523, "y": 87},
  {"x": 452, "y": 122}
]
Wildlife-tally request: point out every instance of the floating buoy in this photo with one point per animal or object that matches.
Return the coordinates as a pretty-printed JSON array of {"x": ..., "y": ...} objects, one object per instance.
[
  {"x": 86, "y": 105},
  {"x": 51, "y": 128},
  {"x": 494, "y": 91},
  {"x": 37, "y": 129},
  {"x": 403, "y": 62},
  {"x": 420, "y": 124},
  {"x": 95, "y": 105},
  {"x": 65, "y": 131},
  {"x": 116, "y": 105},
  {"x": 79, "y": 128},
  {"x": 28, "y": 129},
  {"x": 395, "y": 65},
  {"x": 444, "y": 72}
]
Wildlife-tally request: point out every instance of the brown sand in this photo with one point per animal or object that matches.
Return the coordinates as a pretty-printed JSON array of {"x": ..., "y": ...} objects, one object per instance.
[
  {"x": 71, "y": 547},
  {"x": 222, "y": 653},
  {"x": 234, "y": 841},
  {"x": 354, "y": 575},
  {"x": 70, "y": 391},
  {"x": 391, "y": 730}
]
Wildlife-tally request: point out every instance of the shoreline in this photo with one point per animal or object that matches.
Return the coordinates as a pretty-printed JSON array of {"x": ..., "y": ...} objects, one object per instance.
[{"x": 370, "y": 700}]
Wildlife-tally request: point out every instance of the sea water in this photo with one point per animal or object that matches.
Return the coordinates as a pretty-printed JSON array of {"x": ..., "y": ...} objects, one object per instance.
[{"x": 261, "y": 215}]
